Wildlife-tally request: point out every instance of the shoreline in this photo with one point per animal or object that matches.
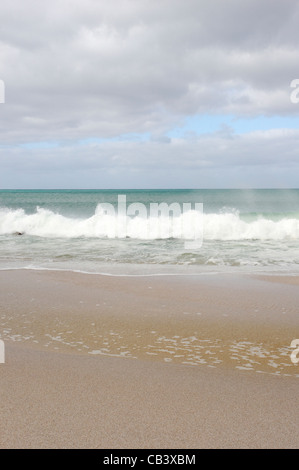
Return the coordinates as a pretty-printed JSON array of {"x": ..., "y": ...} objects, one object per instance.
[
  {"x": 111, "y": 362},
  {"x": 242, "y": 322},
  {"x": 175, "y": 270}
]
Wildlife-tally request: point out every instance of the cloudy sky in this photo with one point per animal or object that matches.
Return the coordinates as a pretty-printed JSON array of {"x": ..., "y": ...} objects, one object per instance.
[{"x": 149, "y": 93}]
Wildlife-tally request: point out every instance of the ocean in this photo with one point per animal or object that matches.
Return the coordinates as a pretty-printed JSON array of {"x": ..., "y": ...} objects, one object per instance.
[{"x": 242, "y": 231}]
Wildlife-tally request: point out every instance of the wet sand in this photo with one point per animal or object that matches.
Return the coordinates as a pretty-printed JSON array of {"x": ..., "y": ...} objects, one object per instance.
[{"x": 147, "y": 362}]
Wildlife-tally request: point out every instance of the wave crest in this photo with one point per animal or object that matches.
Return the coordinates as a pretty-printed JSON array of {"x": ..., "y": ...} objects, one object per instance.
[{"x": 220, "y": 226}]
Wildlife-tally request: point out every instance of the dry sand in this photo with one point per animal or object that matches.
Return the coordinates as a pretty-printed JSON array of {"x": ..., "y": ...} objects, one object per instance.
[{"x": 203, "y": 362}]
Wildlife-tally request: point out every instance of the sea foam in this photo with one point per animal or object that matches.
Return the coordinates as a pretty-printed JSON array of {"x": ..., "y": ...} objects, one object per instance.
[{"x": 216, "y": 226}]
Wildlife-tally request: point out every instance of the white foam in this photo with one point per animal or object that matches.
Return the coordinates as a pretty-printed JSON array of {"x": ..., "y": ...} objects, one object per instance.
[
  {"x": 230, "y": 226},
  {"x": 223, "y": 226}
]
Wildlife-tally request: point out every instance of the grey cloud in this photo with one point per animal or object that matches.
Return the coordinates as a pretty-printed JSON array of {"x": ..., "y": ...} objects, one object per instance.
[
  {"x": 75, "y": 70},
  {"x": 96, "y": 68},
  {"x": 223, "y": 149},
  {"x": 222, "y": 159}
]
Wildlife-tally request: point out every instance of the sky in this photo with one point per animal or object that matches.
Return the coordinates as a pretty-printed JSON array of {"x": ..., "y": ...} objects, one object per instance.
[{"x": 149, "y": 94}]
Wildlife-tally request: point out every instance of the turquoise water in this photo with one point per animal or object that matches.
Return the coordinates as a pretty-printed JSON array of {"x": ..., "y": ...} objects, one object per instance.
[{"x": 243, "y": 230}]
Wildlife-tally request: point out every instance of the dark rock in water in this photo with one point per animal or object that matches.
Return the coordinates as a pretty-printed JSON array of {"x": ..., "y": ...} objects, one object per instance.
[{"x": 18, "y": 233}]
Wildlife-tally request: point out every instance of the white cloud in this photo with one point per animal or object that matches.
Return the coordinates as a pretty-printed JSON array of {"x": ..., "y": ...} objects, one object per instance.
[
  {"x": 75, "y": 70},
  {"x": 222, "y": 157}
]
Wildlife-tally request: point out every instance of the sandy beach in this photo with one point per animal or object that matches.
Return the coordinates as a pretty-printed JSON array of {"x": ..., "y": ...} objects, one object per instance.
[
  {"x": 149, "y": 228},
  {"x": 148, "y": 362}
]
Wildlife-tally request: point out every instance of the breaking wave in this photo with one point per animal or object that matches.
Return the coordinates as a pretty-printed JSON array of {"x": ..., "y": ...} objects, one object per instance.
[{"x": 217, "y": 226}]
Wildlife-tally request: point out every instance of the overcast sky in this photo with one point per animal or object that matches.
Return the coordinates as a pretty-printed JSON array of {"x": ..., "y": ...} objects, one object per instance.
[{"x": 149, "y": 93}]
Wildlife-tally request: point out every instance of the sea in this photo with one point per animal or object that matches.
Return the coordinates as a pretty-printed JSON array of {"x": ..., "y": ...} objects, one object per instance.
[{"x": 242, "y": 230}]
